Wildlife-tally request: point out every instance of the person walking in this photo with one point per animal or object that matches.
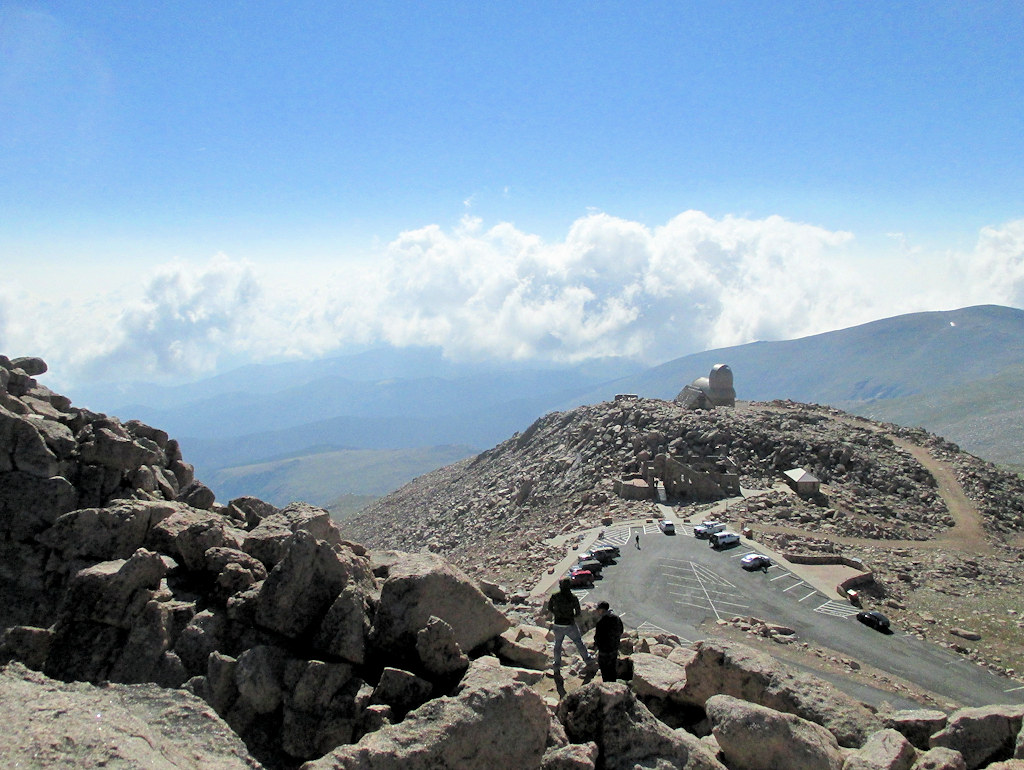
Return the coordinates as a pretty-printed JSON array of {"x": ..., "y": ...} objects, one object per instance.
[
  {"x": 607, "y": 634},
  {"x": 638, "y": 541},
  {"x": 566, "y": 608}
]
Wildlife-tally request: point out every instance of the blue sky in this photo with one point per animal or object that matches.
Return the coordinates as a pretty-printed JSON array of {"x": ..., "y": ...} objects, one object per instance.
[{"x": 161, "y": 160}]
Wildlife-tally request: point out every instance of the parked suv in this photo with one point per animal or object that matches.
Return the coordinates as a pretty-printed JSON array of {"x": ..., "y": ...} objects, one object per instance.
[{"x": 723, "y": 539}]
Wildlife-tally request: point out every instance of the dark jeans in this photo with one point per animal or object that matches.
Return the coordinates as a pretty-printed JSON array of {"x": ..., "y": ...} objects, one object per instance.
[{"x": 609, "y": 664}]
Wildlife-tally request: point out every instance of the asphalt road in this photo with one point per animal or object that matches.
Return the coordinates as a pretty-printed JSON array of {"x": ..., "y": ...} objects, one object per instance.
[{"x": 676, "y": 583}]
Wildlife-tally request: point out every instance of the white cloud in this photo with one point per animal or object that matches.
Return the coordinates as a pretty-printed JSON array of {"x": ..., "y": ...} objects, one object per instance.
[{"x": 610, "y": 287}]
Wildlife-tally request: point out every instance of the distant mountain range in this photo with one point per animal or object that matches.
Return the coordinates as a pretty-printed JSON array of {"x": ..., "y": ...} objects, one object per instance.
[{"x": 312, "y": 430}]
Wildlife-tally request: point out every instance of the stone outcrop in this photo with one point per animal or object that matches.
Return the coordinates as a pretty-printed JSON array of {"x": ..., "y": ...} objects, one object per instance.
[
  {"x": 720, "y": 667},
  {"x": 425, "y": 585},
  {"x": 940, "y": 759},
  {"x": 54, "y": 724},
  {"x": 885, "y": 750},
  {"x": 492, "y": 721},
  {"x": 627, "y": 734},
  {"x": 982, "y": 735},
  {"x": 753, "y": 737}
]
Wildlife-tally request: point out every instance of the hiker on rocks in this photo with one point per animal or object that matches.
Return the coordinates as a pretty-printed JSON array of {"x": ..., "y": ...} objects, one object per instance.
[
  {"x": 607, "y": 634},
  {"x": 566, "y": 608}
]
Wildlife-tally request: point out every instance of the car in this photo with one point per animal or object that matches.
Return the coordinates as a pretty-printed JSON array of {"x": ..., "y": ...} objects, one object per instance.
[
  {"x": 874, "y": 619},
  {"x": 581, "y": 577},
  {"x": 667, "y": 527},
  {"x": 592, "y": 566},
  {"x": 723, "y": 539},
  {"x": 753, "y": 561},
  {"x": 605, "y": 554},
  {"x": 707, "y": 528}
]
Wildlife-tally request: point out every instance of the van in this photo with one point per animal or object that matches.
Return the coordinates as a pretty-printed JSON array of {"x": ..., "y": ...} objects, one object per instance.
[
  {"x": 722, "y": 539},
  {"x": 707, "y": 529}
]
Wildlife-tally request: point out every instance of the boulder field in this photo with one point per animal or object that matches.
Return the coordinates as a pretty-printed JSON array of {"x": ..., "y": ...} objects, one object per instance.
[{"x": 147, "y": 625}]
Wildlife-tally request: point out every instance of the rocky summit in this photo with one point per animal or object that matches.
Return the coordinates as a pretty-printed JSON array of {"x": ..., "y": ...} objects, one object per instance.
[{"x": 147, "y": 625}]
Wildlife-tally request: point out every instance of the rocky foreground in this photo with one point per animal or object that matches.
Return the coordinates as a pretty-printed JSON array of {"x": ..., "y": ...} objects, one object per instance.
[{"x": 146, "y": 625}]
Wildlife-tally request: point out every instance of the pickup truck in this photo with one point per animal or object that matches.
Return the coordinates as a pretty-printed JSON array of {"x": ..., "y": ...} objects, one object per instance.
[{"x": 706, "y": 529}]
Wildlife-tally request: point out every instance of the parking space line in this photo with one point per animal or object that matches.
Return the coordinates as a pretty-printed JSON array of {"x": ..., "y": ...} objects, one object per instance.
[
  {"x": 1015, "y": 689},
  {"x": 699, "y": 606},
  {"x": 784, "y": 574},
  {"x": 801, "y": 583},
  {"x": 734, "y": 604},
  {"x": 719, "y": 617},
  {"x": 812, "y": 593},
  {"x": 835, "y": 609}
]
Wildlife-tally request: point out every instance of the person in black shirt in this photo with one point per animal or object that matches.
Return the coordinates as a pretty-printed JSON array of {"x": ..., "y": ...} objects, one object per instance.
[
  {"x": 607, "y": 634},
  {"x": 566, "y": 608}
]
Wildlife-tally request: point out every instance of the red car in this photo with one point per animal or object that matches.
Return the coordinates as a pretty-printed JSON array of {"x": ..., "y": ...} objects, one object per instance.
[{"x": 581, "y": 577}]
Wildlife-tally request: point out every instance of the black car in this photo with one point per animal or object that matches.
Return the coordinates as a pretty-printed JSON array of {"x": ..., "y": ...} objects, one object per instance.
[{"x": 875, "y": 619}]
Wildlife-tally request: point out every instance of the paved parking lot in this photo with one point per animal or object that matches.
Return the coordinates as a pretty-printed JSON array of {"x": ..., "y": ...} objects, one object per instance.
[{"x": 677, "y": 583}]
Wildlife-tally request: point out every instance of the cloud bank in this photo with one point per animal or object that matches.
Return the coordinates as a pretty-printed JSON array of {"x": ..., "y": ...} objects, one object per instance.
[{"x": 610, "y": 287}]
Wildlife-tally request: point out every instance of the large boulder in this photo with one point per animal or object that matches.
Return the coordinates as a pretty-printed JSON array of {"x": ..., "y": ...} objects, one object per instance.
[
  {"x": 401, "y": 690},
  {"x": 940, "y": 758},
  {"x": 304, "y": 585},
  {"x": 23, "y": 447},
  {"x": 885, "y": 750},
  {"x": 33, "y": 366},
  {"x": 982, "y": 735},
  {"x": 187, "y": 533},
  {"x": 439, "y": 651},
  {"x": 113, "y": 532},
  {"x": 268, "y": 540},
  {"x": 109, "y": 445},
  {"x": 493, "y": 721},
  {"x": 345, "y": 626},
  {"x": 575, "y": 756},
  {"x": 425, "y": 585},
  {"x": 917, "y": 725},
  {"x": 734, "y": 669},
  {"x": 519, "y": 648},
  {"x": 753, "y": 737},
  {"x": 626, "y": 733},
  {"x": 132, "y": 727},
  {"x": 106, "y": 627},
  {"x": 29, "y": 504}
]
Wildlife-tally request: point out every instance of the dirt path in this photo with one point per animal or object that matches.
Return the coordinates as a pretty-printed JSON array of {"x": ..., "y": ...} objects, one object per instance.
[{"x": 967, "y": 533}]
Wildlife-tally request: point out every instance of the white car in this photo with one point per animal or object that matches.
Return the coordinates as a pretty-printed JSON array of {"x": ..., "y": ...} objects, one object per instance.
[
  {"x": 753, "y": 561},
  {"x": 667, "y": 527}
]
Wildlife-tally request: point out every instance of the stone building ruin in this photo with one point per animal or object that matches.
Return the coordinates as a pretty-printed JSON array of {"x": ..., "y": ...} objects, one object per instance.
[{"x": 708, "y": 392}]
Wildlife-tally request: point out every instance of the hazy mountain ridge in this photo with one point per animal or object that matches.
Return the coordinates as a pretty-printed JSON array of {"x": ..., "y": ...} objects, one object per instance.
[{"x": 957, "y": 373}]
